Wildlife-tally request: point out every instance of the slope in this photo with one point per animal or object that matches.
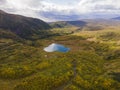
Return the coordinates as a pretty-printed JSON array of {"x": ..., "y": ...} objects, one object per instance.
[{"x": 24, "y": 27}]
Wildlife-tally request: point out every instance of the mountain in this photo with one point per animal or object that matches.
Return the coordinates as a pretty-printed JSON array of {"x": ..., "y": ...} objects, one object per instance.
[
  {"x": 88, "y": 24},
  {"x": 52, "y": 16},
  {"x": 62, "y": 24},
  {"x": 23, "y": 26},
  {"x": 58, "y": 16},
  {"x": 117, "y": 18}
]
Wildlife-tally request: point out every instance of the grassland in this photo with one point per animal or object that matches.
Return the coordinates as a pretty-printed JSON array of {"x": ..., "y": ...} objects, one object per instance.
[{"x": 90, "y": 65}]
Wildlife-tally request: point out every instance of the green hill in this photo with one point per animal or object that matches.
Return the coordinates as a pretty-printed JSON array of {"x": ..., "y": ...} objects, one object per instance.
[
  {"x": 24, "y": 27},
  {"x": 62, "y": 24}
]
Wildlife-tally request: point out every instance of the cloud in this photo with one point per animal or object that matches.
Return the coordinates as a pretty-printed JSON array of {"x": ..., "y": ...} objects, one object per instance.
[
  {"x": 109, "y": 6},
  {"x": 2, "y": 2},
  {"x": 35, "y": 8}
]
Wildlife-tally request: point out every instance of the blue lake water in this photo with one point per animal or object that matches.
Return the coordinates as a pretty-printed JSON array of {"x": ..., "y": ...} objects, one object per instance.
[{"x": 56, "y": 47}]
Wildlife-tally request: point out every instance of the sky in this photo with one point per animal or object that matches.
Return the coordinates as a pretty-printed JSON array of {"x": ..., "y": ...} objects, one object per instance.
[{"x": 39, "y": 8}]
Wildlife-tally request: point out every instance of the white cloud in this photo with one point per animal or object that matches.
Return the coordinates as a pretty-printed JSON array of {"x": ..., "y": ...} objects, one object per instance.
[
  {"x": 2, "y": 2},
  {"x": 103, "y": 6},
  {"x": 33, "y": 8}
]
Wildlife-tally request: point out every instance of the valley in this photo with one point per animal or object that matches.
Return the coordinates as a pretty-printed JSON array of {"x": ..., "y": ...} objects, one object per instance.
[{"x": 93, "y": 62}]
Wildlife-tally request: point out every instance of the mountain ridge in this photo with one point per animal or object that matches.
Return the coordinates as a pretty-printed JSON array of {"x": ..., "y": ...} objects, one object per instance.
[
  {"x": 23, "y": 26},
  {"x": 116, "y": 18}
]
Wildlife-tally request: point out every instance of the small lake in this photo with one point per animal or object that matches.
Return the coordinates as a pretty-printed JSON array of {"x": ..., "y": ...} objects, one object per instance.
[{"x": 56, "y": 47}]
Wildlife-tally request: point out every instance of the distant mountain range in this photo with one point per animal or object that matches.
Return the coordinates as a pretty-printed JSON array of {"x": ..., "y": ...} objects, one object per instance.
[
  {"x": 88, "y": 24},
  {"x": 53, "y": 16},
  {"x": 117, "y": 18},
  {"x": 58, "y": 17},
  {"x": 27, "y": 27},
  {"x": 24, "y": 27},
  {"x": 62, "y": 24}
]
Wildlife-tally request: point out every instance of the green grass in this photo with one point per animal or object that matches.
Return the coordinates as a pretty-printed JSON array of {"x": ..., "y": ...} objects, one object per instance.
[{"x": 88, "y": 66}]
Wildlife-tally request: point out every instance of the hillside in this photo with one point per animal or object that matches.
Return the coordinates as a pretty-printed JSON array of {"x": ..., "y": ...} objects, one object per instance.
[
  {"x": 88, "y": 24},
  {"x": 62, "y": 24},
  {"x": 93, "y": 62},
  {"x": 24, "y": 27}
]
